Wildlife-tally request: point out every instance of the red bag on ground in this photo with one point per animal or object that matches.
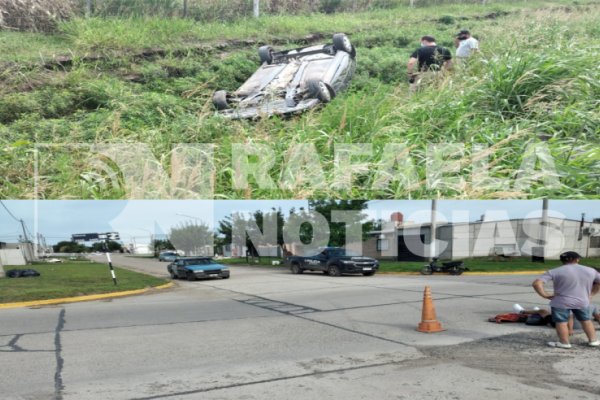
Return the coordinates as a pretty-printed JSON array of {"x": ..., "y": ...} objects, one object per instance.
[{"x": 508, "y": 317}]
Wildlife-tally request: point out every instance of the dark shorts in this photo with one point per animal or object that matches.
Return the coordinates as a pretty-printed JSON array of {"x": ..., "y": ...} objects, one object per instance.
[{"x": 560, "y": 315}]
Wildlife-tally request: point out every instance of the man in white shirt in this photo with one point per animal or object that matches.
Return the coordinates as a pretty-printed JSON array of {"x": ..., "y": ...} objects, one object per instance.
[{"x": 465, "y": 44}]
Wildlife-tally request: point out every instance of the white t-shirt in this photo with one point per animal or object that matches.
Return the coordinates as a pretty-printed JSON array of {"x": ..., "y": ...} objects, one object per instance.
[{"x": 466, "y": 47}]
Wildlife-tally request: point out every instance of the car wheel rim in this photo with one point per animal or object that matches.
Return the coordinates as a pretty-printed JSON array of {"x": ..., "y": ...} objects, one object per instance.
[
  {"x": 324, "y": 91},
  {"x": 347, "y": 44}
]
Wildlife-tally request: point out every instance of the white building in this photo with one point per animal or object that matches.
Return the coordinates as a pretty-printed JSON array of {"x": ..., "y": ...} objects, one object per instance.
[{"x": 509, "y": 238}]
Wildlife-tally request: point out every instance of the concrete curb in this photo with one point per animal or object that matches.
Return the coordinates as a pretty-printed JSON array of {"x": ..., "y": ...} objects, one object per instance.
[{"x": 77, "y": 299}]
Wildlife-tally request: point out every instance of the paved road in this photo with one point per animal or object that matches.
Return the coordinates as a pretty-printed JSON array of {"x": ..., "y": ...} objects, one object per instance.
[{"x": 267, "y": 334}]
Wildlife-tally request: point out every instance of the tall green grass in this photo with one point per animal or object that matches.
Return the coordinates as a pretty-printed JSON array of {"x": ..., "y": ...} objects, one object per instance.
[{"x": 540, "y": 83}]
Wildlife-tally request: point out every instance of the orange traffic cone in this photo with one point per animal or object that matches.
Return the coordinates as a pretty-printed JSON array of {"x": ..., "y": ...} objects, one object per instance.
[{"x": 429, "y": 322}]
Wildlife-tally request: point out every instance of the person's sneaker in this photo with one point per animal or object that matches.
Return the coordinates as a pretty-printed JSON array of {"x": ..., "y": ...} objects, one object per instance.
[
  {"x": 560, "y": 345},
  {"x": 517, "y": 308},
  {"x": 595, "y": 343}
]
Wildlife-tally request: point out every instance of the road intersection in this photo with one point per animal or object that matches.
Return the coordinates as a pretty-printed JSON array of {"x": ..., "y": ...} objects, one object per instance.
[{"x": 268, "y": 334}]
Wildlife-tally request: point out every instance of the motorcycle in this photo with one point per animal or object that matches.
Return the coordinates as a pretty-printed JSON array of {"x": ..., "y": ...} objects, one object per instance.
[{"x": 452, "y": 267}]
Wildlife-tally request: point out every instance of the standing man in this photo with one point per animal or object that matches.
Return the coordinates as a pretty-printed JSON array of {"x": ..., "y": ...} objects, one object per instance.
[
  {"x": 465, "y": 45},
  {"x": 574, "y": 285},
  {"x": 428, "y": 59}
]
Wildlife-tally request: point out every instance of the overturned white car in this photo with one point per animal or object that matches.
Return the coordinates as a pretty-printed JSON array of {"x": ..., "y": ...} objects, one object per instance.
[{"x": 291, "y": 81}]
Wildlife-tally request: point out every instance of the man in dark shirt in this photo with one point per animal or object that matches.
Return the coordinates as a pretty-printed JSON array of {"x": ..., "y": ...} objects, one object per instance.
[{"x": 429, "y": 57}]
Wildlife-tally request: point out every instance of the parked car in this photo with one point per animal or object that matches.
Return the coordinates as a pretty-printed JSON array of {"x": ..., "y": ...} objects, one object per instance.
[
  {"x": 193, "y": 268},
  {"x": 334, "y": 261},
  {"x": 291, "y": 81},
  {"x": 167, "y": 256}
]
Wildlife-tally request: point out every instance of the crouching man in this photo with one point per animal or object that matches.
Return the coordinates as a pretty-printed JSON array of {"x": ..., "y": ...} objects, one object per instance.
[{"x": 574, "y": 285}]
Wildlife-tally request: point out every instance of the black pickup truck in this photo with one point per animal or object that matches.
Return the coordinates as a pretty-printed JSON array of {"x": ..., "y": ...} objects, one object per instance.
[{"x": 333, "y": 261}]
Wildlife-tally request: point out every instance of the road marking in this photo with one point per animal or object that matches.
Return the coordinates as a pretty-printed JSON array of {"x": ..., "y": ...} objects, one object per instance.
[
  {"x": 278, "y": 306},
  {"x": 58, "y": 382}
]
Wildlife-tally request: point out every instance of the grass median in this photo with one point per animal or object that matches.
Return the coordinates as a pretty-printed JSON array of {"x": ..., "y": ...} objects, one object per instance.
[
  {"x": 69, "y": 280},
  {"x": 517, "y": 264}
]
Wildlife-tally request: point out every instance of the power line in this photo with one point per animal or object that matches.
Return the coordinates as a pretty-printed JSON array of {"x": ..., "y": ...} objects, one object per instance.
[{"x": 8, "y": 211}]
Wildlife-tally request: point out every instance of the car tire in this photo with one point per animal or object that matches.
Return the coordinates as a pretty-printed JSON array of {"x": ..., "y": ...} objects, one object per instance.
[
  {"x": 341, "y": 42},
  {"x": 295, "y": 268},
  {"x": 321, "y": 90},
  {"x": 173, "y": 276},
  {"x": 226, "y": 277},
  {"x": 334, "y": 270},
  {"x": 190, "y": 276},
  {"x": 265, "y": 53},
  {"x": 370, "y": 273},
  {"x": 426, "y": 271},
  {"x": 455, "y": 271},
  {"x": 220, "y": 100}
]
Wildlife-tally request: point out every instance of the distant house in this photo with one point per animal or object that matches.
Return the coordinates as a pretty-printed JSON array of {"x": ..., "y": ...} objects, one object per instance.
[{"x": 406, "y": 241}]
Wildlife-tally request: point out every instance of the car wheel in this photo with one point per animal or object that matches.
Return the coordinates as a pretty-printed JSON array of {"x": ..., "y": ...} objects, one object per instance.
[
  {"x": 455, "y": 271},
  {"x": 369, "y": 273},
  {"x": 226, "y": 277},
  {"x": 220, "y": 100},
  {"x": 426, "y": 271},
  {"x": 190, "y": 276},
  {"x": 265, "y": 53},
  {"x": 173, "y": 276},
  {"x": 321, "y": 91},
  {"x": 295, "y": 268},
  {"x": 342, "y": 42},
  {"x": 334, "y": 270}
]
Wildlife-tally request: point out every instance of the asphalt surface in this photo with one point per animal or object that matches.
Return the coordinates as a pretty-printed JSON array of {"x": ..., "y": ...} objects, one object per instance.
[{"x": 267, "y": 334}]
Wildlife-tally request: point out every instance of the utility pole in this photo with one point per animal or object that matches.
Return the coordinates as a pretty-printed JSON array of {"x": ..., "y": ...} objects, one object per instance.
[
  {"x": 185, "y": 8},
  {"x": 432, "y": 250},
  {"x": 27, "y": 245},
  {"x": 24, "y": 231},
  {"x": 256, "y": 8}
]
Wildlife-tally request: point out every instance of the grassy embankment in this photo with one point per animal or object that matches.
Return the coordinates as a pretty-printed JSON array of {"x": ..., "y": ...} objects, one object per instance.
[
  {"x": 71, "y": 279},
  {"x": 474, "y": 265},
  {"x": 536, "y": 80}
]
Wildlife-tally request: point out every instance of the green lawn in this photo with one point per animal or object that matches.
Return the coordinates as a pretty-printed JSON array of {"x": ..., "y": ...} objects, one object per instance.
[
  {"x": 485, "y": 265},
  {"x": 71, "y": 279},
  {"x": 474, "y": 265},
  {"x": 519, "y": 93}
]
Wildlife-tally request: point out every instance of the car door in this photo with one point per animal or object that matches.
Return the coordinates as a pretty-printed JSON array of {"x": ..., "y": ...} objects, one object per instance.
[
  {"x": 317, "y": 262},
  {"x": 181, "y": 271},
  {"x": 312, "y": 262}
]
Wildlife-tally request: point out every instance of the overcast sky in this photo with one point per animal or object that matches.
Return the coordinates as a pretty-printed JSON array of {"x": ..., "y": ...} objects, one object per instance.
[{"x": 58, "y": 220}]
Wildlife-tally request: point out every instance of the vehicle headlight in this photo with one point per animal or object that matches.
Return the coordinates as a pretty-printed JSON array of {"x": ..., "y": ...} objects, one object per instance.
[
  {"x": 224, "y": 269},
  {"x": 348, "y": 262},
  {"x": 198, "y": 271}
]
